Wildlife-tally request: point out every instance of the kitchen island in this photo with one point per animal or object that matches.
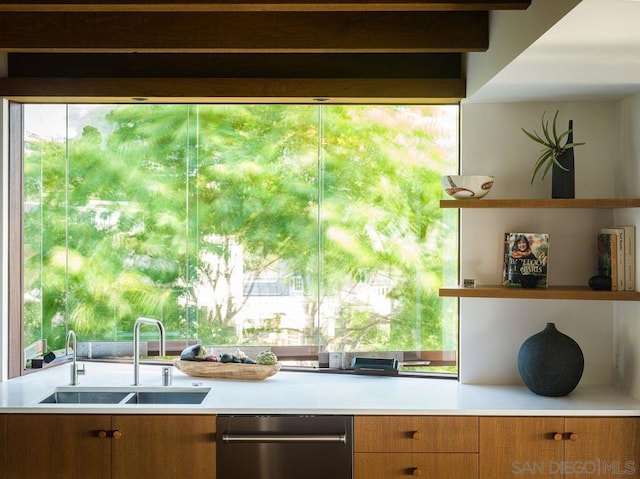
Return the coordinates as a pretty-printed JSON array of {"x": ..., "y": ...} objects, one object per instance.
[
  {"x": 402, "y": 426},
  {"x": 314, "y": 393}
]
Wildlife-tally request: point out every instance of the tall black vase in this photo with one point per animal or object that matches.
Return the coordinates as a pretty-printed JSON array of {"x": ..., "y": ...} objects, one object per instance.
[
  {"x": 550, "y": 362},
  {"x": 563, "y": 183}
]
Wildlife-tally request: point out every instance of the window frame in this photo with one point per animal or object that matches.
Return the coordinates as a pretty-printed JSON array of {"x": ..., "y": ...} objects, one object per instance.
[{"x": 15, "y": 287}]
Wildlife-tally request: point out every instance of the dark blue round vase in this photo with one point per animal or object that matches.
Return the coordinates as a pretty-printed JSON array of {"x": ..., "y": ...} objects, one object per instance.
[{"x": 550, "y": 362}]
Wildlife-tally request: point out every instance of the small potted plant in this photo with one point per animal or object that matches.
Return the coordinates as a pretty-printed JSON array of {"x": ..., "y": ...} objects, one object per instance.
[{"x": 557, "y": 153}]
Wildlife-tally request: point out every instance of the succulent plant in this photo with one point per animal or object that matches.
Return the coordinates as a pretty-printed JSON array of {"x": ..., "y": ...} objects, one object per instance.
[{"x": 553, "y": 146}]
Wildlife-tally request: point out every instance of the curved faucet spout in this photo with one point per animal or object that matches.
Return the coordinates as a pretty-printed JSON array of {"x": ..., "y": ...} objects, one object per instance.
[
  {"x": 71, "y": 335},
  {"x": 136, "y": 344}
]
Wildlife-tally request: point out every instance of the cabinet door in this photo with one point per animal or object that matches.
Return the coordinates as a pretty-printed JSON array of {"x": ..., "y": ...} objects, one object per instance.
[
  {"x": 416, "y": 434},
  {"x": 164, "y": 447},
  {"x": 516, "y": 447},
  {"x": 58, "y": 446},
  {"x": 602, "y": 447},
  {"x": 371, "y": 465},
  {"x": 3, "y": 445}
]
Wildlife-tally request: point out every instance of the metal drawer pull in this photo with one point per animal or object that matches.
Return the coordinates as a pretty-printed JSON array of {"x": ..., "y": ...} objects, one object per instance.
[{"x": 341, "y": 438}]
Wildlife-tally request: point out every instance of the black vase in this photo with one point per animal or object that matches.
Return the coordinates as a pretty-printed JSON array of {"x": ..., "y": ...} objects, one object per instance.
[
  {"x": 550, "y": 362},
  {"x": 563, "y": 183}
]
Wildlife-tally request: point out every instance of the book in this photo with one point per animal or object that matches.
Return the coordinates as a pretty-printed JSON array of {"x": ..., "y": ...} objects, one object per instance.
[
  {"x": 526, "y": 258},
  {"x": 629, "y": 257},
  {"x": 618, "y": 244},
  {"x": 607, "y": 258}
]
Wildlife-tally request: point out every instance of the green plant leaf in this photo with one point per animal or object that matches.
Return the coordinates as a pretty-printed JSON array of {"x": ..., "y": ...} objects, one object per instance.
[
  {"x": 560, "y": 138},
  {"x": 555, "y": 161},
  {"x": 546, "y": 170},
  {"x": 551, "y": 140},
  {"x": 545, "y": 130},
  {"x": 535, "y": 137},
  {"x": 542, "y": 159},
  {"x": 556, "y": 140}
]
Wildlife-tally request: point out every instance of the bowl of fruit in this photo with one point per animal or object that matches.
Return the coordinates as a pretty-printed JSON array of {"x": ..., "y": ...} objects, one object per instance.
[{"x": 197, "y": 362}]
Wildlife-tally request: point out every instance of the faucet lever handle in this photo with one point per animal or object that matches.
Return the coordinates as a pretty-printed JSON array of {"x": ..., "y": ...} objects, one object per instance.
[{"x": 82, "y": 370}]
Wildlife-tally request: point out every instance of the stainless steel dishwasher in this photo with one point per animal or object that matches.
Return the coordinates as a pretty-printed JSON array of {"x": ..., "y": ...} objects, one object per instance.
[{"x": 284, "y": 447}]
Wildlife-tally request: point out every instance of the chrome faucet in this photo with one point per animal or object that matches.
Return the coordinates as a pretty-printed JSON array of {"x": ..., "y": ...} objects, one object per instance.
[
  {"x": 136, "y": 345},
  {"x": 75, "y": 371}
]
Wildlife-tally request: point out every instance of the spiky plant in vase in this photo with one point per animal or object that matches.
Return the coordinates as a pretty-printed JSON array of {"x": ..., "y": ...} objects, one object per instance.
[{"x": 557, "y": 151}]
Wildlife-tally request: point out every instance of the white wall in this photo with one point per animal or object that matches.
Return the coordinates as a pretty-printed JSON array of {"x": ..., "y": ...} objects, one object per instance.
[
  {"x": 511, "y": 32},
  {"x": 491, "y": 331},
  {"x": 627, "y": 315}
]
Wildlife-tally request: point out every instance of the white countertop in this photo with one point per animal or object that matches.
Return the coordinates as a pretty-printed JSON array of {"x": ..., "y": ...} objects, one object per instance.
[{"x": 314, "y": 393}]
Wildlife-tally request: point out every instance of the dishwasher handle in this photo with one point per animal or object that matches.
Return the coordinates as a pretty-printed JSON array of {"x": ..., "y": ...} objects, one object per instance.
[{"x": 290, "y": 438}]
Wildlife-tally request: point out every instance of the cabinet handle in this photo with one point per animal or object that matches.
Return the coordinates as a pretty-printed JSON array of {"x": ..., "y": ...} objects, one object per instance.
[
  {"x": 415, "y": 471},
  {"x": 557, "y": 436},
  {"x": 416, "y": 435},
  {"x": 573, "y": 436},
  {"x": 116, "y": 434},
  {"x": 102, "y": 434}
]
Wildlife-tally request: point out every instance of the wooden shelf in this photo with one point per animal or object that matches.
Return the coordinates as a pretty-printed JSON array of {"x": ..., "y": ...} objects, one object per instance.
[
  {"x": 552, "y": 292},
  {"x": 543, "y": 203}
]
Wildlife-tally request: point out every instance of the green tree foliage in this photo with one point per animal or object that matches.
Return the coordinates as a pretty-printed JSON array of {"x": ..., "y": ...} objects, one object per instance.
[{"x": 148, "y": 216}]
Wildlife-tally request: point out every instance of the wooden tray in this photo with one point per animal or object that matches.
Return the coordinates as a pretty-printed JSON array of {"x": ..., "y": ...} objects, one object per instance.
[{"x": 207, "y": 369}]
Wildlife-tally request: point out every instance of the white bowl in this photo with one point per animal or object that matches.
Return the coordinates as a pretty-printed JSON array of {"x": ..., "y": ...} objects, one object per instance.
[{"x": 467, "y": 186}]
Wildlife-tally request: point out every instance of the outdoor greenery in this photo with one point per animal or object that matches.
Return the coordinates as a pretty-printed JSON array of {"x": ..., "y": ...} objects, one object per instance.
[{"x": 169, "y": 211}]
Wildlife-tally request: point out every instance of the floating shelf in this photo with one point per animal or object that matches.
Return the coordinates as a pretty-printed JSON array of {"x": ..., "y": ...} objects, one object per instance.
[
  {"x": 544, "y": 203},
  {"x": 552, "y": 292}
]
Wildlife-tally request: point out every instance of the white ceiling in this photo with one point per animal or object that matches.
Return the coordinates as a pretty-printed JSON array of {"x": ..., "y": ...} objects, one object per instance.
[{"x": 593, "y": 53}]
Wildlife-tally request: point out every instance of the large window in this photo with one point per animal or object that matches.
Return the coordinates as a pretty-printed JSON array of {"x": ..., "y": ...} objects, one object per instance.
[{"x": 241, "y": 225}]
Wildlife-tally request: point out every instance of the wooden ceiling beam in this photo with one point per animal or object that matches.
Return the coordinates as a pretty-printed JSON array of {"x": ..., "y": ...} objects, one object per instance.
[
  {"x": 236, "y": 32},
  {"x": 236, "y": 90},
  {"x": 229, "y": 65},
  {"x": 259, "y": 5}
]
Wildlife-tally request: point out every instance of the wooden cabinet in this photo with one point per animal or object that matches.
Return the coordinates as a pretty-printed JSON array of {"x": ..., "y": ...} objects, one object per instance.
[
  {"x": 608, "y": 447},
  {"x": 542, "y": 447},
  {"x": 389, "y": 447},
  {"x": 58, "y": 446},
  {"x": 103, "y": 446},
  {"x": 3, "y": 445},
  {"x": 164, "y": 446}
]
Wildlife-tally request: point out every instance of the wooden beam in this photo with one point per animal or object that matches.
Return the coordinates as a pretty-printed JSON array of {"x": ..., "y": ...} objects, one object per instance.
[
  {"x": 234, "y": 32},
  {"x": 260, "y": 5},
  {"x": 237, "y": 90},
  {"x": 230, "y": 65}
]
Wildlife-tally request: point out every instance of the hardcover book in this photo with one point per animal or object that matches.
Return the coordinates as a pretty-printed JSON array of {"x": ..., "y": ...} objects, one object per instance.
[
  {"x": 618, "y": 242},
  {"x": 607, "y": 258},
  {"x": 526, "y": 260},
  {"x": 629, "y": 257}
]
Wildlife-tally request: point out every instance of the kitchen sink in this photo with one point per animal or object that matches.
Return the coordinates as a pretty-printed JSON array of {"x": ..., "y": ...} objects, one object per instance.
[
  {"x": 85, "y": 397},
  {"x": 167, "y": 397},
  {"x": 126, "y": 396}
]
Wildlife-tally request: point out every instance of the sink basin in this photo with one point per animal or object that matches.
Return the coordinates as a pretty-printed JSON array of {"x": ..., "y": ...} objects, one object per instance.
[
  {"x": 85, "y": 397},
  {"x": 167, "y": 397},
  {"x": 127, "y": 396}
]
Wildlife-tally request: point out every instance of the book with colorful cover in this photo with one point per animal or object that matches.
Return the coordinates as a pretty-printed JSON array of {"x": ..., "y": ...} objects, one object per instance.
[
  {"x": 619, "y": 242},
  {"x": 526, "y": 257},
  {"x": 607, "y": 258}
]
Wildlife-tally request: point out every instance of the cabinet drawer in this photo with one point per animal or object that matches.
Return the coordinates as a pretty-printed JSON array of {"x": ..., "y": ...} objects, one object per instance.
[
  {"x": 404, "y": 465},
  {"x": 3, "y": 445},
  {"x": 416, "y": 434}
]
